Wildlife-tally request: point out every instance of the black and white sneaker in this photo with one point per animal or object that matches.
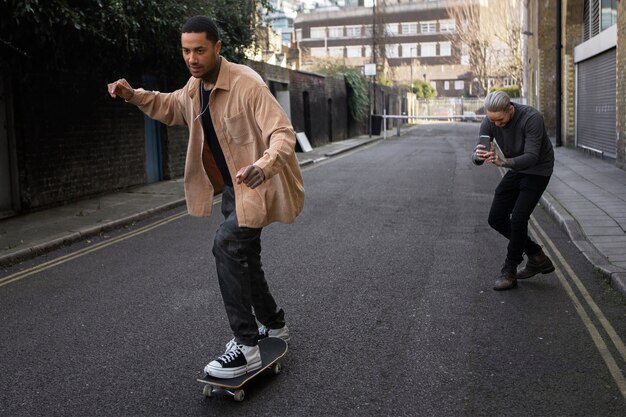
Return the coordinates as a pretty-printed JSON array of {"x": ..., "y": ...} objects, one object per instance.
[
  {"x": 282, "y": 333},
  {"x": 236, "y": 361}
]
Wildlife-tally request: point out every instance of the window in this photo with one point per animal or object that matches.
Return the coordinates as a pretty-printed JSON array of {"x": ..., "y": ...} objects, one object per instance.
[
  {"x": 298, "y": 35},
  {"x": 336, "y": 52},
  {"x": 353, "y": 31},
  {"x": 459, "y": 85},
  {"x": 447, "y": 26},
  {"x": 428, "y": 27},
  {"x": 354, "y": 51},
  {"x": 391, "y": 51},
  {"x": 367, "y": 31},
  {"x": 445, "y": 49},
  {"x": 391, "y": 29},
  {"x": 335, "y": 32},
  {"x": 409, "y": 28},
  {"x": 429, "y": 49},
  {"x": 318, "y": 33},
  {"x": 609, "y": 14},
  {"x": 318, "y": 52},
  {"x": 446, "y": 85},
  {"x": 368, "y": 51},
  {"x": 598, "y": 15},
  {"x": 409, "y": 50}
]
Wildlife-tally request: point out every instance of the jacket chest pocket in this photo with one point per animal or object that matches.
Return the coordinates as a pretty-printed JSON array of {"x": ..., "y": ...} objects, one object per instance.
[{"x": 238, "y": 128}]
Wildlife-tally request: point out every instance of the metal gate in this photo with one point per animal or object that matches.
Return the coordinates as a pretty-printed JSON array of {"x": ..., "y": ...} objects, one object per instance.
[{"x": 596, "y": 127}]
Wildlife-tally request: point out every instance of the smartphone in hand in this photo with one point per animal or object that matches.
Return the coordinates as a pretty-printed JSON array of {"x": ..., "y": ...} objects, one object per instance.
[{"x": 485, "y": 140}]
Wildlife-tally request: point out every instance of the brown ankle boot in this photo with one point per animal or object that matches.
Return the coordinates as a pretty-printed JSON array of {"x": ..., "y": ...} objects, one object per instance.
[
  {"x": 508, "y": 277},
  {"x": 537, "y": 263}
]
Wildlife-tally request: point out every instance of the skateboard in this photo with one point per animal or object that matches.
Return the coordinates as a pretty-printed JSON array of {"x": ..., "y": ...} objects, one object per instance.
[{"x": 272, "y": 350}]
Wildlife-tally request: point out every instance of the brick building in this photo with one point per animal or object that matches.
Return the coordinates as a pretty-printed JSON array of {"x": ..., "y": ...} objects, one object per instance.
[
  {"x": 591, "y": 86},
  {"x": 407, "y": 40}
]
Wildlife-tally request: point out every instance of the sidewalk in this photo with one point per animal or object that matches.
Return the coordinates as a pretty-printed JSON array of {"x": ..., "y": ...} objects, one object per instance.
[
  {"x": 26, "y": 236},
  {"x": 587, "y": 197}
]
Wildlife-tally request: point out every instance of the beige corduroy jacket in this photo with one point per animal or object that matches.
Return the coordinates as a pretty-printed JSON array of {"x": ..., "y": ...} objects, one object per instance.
[{"x": 251, "y": 128}]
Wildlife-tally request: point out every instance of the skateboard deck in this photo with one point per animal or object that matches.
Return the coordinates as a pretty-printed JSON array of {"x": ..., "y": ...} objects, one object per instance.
[{"x": 272, "y": 350}]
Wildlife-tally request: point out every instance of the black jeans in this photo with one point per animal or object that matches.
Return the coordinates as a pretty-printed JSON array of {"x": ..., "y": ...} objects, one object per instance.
[
  {"x": 514, "y": 201},
  {"x": 237, "y": 252}
]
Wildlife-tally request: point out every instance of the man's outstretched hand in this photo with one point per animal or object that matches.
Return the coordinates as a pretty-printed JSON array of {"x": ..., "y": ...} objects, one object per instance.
[
  {"x": 121, "y": 88},
  {"x": 252, "y": 176}
]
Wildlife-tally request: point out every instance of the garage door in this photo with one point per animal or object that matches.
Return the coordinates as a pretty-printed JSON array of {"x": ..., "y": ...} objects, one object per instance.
[{"x": 595, "y": 97}]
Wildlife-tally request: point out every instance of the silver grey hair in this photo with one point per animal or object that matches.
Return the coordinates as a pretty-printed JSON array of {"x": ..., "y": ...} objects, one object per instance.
[{"x": 497, "y": 101}]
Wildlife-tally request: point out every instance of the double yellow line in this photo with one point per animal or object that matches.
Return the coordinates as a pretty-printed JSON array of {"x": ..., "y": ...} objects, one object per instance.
[
  {"x": 583, "y": 302},
  {"x": 66, "y": 258}
]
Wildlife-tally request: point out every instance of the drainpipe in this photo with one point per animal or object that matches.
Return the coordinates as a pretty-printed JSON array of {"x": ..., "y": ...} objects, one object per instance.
[{"x": 559, "y": 87}]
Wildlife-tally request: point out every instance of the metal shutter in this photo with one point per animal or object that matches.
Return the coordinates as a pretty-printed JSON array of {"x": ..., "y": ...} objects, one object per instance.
[{"x": 596, "y": 105}]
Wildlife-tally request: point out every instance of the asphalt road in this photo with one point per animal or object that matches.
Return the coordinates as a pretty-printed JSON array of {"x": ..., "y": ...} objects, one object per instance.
[{"x": 386, "y": 282}]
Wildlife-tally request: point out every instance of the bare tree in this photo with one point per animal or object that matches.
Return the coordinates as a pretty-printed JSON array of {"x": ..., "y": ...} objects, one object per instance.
[
  {"x": 492, "y": 38},
  {"x": 475, "y": 42},
  {"x": 508, "y": 31}
]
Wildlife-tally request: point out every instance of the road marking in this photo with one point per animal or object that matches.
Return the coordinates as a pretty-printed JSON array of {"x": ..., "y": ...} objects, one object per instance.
[
  {"x": 597, "y": 338},
  {"x": 71, "y": 256}
]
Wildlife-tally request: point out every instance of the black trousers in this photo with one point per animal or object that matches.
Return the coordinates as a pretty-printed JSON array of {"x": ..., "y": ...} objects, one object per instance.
[
  {"x": 514, "y": 200},
  {"x": 237, "y": 252}
]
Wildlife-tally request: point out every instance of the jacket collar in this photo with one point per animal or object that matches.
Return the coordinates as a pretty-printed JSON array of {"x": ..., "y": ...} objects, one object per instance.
[{"x": 222, "y": 82}]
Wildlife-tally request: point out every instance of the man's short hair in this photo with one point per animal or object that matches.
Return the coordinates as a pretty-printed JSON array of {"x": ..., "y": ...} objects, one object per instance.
[
  {"x": 199, "y": 24},
  {"x": 497, "y": 101}
]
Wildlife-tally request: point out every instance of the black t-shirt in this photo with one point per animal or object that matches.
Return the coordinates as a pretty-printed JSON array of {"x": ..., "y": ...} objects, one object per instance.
[{"x": 211, "y": 137}]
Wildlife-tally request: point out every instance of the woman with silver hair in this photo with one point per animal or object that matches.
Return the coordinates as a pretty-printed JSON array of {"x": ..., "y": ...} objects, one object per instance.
[{"x": 526, "y": 150}]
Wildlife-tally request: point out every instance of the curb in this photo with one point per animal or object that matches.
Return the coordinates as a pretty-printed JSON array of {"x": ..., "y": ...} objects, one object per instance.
[
  {"x": 615, "y": 275},
  {"x": 73, "y": 237},
  {"x": 335, "y": 152}
]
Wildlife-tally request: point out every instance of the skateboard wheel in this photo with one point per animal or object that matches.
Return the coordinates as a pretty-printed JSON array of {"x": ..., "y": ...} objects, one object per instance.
[
  {"x": 208, "y": 390},
  {"x": 239, "y": 395},
  {"x": 277, "y": 368}
]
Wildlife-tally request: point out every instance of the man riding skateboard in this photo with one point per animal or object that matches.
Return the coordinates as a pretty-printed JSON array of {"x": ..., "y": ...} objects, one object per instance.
[{"x": 249, "y": 152}]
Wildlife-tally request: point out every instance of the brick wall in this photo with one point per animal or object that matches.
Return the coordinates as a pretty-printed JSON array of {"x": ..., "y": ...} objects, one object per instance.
[
  {"x": 328, "y": 102},
  {"x": 312, "y": 119},
  {"x": 621, "y": 84},
  {"x": 546, "y": 41},
  {"x": 73, "y": 140},
  {"x": 568, "y": 134},
  {"x": 174, "y": 146},
  {"x": 270, "y": 72},
  {"x": 337, "y": 108},
  {"x": 572, "y": 23},
  {"x": 533, "y": 55}
]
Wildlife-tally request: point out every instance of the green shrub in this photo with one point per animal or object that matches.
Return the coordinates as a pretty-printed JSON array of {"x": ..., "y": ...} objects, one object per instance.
[
  {"x": 423, "y": 89},
  {"x": 512, "y": 90}
]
